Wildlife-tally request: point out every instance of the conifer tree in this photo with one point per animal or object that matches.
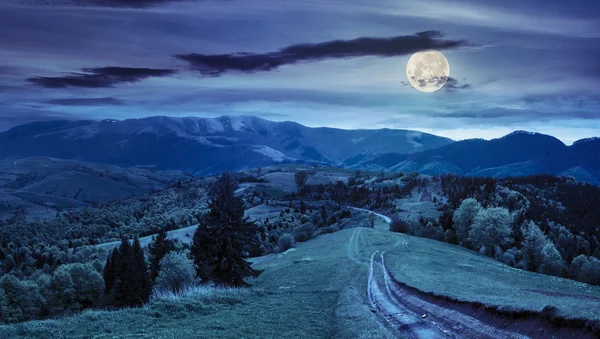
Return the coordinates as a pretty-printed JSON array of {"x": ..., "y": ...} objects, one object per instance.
[
  {"x": 132, "y": 284},
  {"x": 108, "y": 273},
  {"x": 221, "y": 241},
  {"x": 159, "y": 247}
]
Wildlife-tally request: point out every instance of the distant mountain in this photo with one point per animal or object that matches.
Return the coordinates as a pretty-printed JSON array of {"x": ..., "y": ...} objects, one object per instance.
[
  {"x": 42, "y": 184},
  {"x": 516, "y": 154},
  {"x": 206, "y": 145}
]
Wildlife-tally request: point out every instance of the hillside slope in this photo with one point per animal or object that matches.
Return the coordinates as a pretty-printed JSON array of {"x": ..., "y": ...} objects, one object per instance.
[{"x": 40, "y": 185}]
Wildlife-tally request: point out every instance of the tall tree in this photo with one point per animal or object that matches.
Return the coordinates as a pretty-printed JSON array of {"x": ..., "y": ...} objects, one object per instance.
[
  {"x": 464, "y": 217},
  {"x": 108, "y": 272},
  {"x": 221, "y": 241},
  {"x": 132, "y": 285},
  {"x": 491, "y": 228},
  {"x": 533, "y": 244},
  {"x": 300, "y": 177},
  {"x": 159, "y": 247}
]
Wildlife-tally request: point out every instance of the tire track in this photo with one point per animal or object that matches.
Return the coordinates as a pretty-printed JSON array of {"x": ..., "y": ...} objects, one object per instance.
[
  {"x": 446, "y": 317},
  {"x": 402, "y": 309}
]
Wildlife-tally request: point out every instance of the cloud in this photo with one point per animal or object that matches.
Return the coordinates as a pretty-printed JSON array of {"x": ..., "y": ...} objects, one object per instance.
[
  {"x": 450, "y": 83},
  {"x": 86, "y": 102},
  {"x": 108, "y": 3},
  {"x": 100, "y": 77},
  {"x": 217, "y": 64}
]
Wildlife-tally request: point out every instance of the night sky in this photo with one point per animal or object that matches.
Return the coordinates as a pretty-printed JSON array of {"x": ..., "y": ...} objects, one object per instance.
[{"x": 514, "y": 64}]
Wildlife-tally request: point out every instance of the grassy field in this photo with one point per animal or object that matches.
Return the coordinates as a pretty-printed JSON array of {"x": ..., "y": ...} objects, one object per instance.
[
  {"x": 453, "y": 271},
  {"x": 315, "y": 291},
  {"x": 311, "y": 291}
]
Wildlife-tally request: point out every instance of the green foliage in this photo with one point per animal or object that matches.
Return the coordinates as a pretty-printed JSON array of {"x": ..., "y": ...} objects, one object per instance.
[
  {"x": 300, "y": 178},
  {"x": 372, "y": 219},
  {"x": 159, "y": 247},
  {"x": 399, "y": 225},
  {"x": 304, "y": 232},
  {"x": 176, "y": 272},
  {"x": 464, "y": 217},
  {"x": 286, "y": 241},
  {"x": 22, "y": 298},
  {"x": 132, "y": 284},
  {"x": 221, "y": 240},
  {"x": 87, "y": 283},
  {"x": 532, "y": 246},
  {"x": 491, "y": 228},
  {"x": 553, "y": 263},
  {"x": 590, "y": 271},
  {"x": 61, "y": 292}
]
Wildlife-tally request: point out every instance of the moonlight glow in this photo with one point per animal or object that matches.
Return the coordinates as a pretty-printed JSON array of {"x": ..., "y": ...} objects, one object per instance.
[{"x": 427, "y": 70}]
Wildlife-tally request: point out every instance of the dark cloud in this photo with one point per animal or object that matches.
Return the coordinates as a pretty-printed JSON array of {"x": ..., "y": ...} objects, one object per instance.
[
  {"x": 100, "y": 77},
  {"x": 450, "y": 83},
  {"x": 86, "y": 102},
  {"x": 453, "y": 85},
  {"x": 107, "y": 3},
  {"x": 217, "y": 64}
]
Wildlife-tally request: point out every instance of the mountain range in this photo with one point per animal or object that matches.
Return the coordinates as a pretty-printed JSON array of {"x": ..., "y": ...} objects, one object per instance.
[
  {"x": 229, "y": 143},
  {"x": 516, "y": 154},
  {"x": 206, "y": 145}
]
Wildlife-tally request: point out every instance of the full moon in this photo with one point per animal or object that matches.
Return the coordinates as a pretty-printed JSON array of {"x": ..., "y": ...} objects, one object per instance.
[{"x": 427, "y": 70}]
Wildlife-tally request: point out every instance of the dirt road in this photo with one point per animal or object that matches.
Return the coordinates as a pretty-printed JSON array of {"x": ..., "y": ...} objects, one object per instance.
[{"x": 406, "y": 312}]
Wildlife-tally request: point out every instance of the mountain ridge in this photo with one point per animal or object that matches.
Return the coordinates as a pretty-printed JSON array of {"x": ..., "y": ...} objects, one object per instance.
[{"x": 223, "y": 143}]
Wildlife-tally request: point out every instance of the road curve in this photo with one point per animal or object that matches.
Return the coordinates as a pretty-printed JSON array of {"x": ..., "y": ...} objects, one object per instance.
[{"x": 404, "y": 310}]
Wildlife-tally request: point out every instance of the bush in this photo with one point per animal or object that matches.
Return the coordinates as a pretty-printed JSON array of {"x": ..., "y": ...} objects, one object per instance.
[
  {"x": 286, "y": 241},
  {"x": 304, "y": 232},
  {"x": 22, "y": 299},
  {"x": 590, "y": 271},
  {"x": 88, "y": 284},
  {"x": 176, "y": 272},
  {"x": 330, "y": 229},
  {"x": 399, "y": 225},
  {"x": 553, "y": 263}
]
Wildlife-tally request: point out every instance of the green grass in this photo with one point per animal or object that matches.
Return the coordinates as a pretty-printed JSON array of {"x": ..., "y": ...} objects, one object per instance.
[
  {"x": 311, "y": 291},
  {"x": 315, "y": 291},
  {"x": 453, "y": 271}
]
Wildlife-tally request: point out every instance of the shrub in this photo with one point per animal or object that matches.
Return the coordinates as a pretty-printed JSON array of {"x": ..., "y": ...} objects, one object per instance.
[
  {"x": 286, "y": 241},
  {"x": 330, "y": 229},
  {"x": 399, "y": 225},
  {"x": 88, "y": 284},
  {"x": 508, "y": 258},
  {"x": 576, "y": 265},
  {"x": 590, "y": 271},
  {"x": 22, "y": 298},
  {"x": 176, "y": 272},
  {"x": 304, "y": 232}
]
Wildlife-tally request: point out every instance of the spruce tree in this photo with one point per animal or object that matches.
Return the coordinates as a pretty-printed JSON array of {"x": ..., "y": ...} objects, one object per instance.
[
  {"x": 142, "y": 284},
  {"x": 121, "y": 286},
  {"x": 108, "y": 273},
  {"x": 159, "y": 247},
  {"x": 220, "y": 243},
  {"x": 132, "y": 285}
]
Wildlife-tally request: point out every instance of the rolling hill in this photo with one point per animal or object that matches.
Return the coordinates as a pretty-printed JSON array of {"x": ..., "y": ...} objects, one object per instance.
[{"x": 40, "y": 185}]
